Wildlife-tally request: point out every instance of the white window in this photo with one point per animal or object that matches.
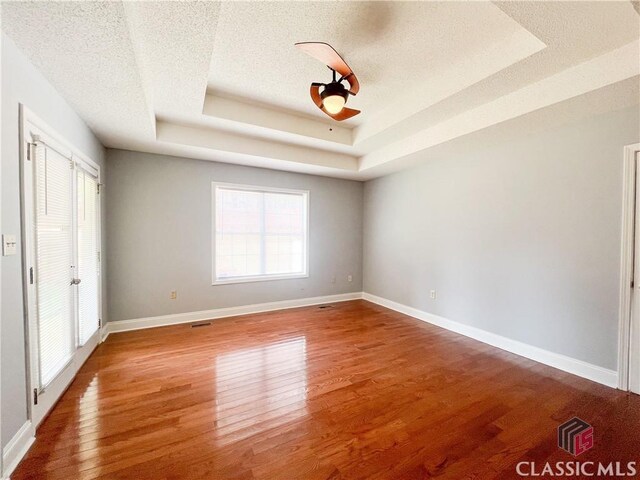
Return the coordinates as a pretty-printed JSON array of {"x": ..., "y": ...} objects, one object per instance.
[{"x": 259, "y": 233}]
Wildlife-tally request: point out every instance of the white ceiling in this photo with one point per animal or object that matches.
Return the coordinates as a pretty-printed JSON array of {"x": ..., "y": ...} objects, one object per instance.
[
  {"x": 384, "y": 43},
  {"x": 223, "y": 81}
]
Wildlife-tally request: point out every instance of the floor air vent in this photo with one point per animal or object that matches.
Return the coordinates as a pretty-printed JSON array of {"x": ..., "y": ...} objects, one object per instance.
[{"x": 194, "y": 325}]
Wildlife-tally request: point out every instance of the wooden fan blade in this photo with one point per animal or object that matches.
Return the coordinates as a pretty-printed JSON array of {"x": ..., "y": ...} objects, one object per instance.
[
  {"x": 327, "y": 55},
  {"x": 354, "y": 85},
  {"x": 315, "y": 94},
  {"x": 343, "y": 114}
]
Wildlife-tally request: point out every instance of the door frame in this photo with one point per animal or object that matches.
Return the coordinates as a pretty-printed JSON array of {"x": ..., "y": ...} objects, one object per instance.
[
  {"x": 28, "y": 121},
  {"x": 628, "y": 358}
]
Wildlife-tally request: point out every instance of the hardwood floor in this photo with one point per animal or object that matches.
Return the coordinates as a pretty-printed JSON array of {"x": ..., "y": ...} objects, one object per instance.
[{"x": 350, "y": 391}]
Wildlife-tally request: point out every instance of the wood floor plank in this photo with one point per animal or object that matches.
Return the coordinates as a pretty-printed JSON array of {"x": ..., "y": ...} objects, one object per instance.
[{"x": 354, "y": 391}]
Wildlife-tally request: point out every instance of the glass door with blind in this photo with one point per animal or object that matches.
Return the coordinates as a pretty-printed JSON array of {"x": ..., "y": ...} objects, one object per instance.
[
  {"x": 88, "y": 254},
  {"x": 62, "y": 261}
]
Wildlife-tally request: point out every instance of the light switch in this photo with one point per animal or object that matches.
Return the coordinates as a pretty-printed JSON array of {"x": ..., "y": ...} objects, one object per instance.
[{"x": 8, "y": 245}]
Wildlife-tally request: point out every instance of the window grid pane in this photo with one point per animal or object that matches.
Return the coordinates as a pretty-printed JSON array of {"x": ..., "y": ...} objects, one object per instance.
[{"x": 259, "y": 233}]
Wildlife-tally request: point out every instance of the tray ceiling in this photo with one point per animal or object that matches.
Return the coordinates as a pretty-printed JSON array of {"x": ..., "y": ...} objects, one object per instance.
[{"x": 223, "y": 81}]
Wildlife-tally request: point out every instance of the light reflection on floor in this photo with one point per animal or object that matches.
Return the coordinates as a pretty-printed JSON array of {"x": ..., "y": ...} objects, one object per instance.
[
  {"x": 260, "y": 388},
  {"x": 88, "y": 406}
]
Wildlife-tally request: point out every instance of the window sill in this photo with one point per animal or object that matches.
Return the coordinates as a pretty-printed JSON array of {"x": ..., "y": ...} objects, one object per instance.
[{"x": 262, "y": 278}]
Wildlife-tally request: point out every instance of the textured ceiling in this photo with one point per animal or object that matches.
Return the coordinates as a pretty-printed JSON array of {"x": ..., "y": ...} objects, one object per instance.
[
  {"x": 174, "y": 70},
  {"x": 393, "y": 47},
  {"x": 85, "y": 51},
  {"x": 223, "y": 81},
  {"x": 573, "y": 32}
]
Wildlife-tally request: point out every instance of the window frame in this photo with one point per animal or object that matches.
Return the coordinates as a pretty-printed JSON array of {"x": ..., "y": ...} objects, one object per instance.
[{"x": 263, "y": 277}]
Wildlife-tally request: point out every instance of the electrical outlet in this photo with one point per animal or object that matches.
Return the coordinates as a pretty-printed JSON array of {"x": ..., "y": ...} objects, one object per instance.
[
  {"x": 174, "y": 295},
  {"x": 349, "y": 278},
  {"x": 433, "y": 294}
]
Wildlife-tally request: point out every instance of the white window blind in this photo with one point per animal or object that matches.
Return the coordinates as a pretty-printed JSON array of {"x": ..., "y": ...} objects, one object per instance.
[
  {"x": 53, "y": 230},
  {"x": 88, "y": 262},
  {"x": 260, "y": 233}
]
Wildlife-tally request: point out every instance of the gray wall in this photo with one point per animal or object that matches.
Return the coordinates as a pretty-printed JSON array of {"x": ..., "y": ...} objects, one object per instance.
[
  {"x": 521, "y": 239},
  {"x": 159, "y": 238},
  {"x": 22, "y": 83}
]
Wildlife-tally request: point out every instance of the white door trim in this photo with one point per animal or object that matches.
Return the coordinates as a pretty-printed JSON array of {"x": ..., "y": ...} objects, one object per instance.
[
  {"x": 31, "y": 124},
  {"x": 625, "y": 363},
  {"x": 2, "y": 474}
]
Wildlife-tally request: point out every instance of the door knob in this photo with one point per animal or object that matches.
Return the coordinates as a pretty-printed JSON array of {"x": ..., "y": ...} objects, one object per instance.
[{"x": 75, "y": 281}]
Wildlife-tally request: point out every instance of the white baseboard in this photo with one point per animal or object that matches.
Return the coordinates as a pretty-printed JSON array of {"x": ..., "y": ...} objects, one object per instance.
[
  {"x": 571, "y": 365},
  {"x": 164, "y": 320},
  {"x": 104, "y": 332},
  {"x": 17, "y": 448}
]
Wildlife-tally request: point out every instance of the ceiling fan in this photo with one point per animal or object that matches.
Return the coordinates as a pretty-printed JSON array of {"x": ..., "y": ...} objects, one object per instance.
[{"x": 331, "y": 100}]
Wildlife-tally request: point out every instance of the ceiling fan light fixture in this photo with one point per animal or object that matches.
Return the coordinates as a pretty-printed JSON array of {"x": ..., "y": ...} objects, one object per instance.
[
  {"x": 334, "y": 103},
  {"x": 334, "y": 97}
]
